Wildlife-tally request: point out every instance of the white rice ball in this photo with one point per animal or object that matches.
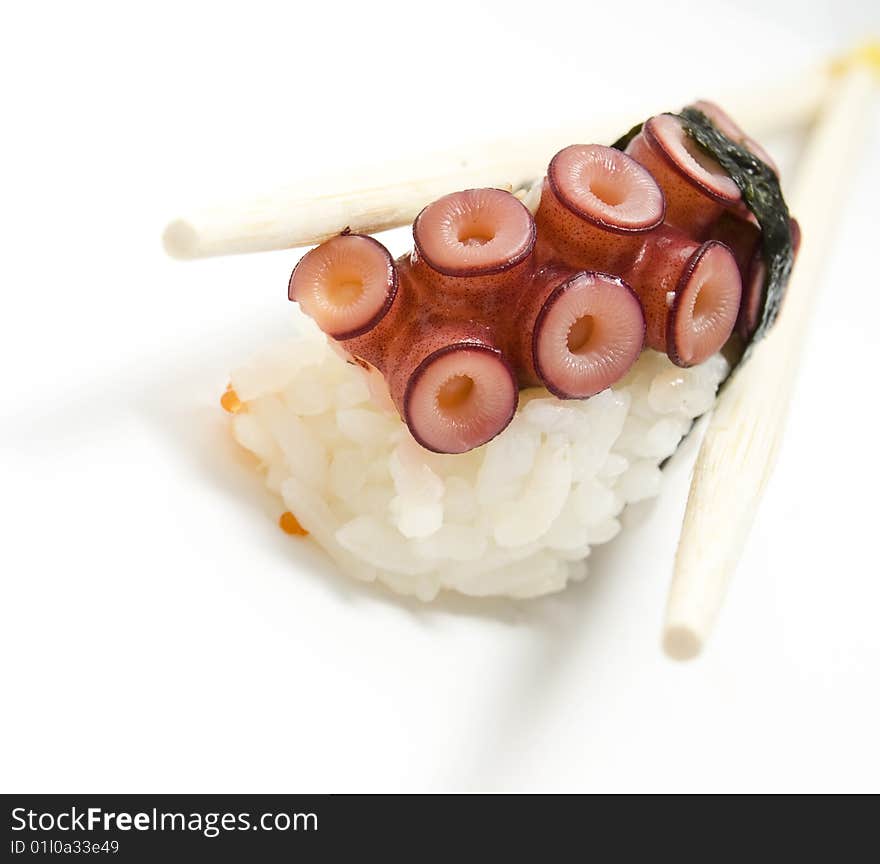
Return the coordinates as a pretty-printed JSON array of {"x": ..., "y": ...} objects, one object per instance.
[{"x": 514, "y": 517}]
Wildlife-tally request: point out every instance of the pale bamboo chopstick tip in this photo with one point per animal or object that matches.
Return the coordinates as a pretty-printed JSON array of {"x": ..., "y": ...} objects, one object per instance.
[
  {"x": 682, "y": 643},
  {"x": 180, "y": 240}
]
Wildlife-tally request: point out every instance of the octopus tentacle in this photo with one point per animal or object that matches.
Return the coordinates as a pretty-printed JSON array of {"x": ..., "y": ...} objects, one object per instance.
[{"x": 652, "y": 247}]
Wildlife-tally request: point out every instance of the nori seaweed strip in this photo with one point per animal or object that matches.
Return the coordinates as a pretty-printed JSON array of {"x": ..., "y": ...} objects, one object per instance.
[
  {"x": 763, "y": 196},
  {"x": 623, "y": 142},
  {"x": 760, "y": 190}
]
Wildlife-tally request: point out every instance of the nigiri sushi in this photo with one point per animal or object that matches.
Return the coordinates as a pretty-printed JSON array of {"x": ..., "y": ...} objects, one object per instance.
[{"x": 475, "y": 414}]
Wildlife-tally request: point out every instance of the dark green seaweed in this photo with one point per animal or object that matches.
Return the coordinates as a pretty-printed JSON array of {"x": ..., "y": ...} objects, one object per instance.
[
  {"x": 761, "y": 193},
  {"x": 763, "y": 196},
  {"x": 623, "y": 142}
]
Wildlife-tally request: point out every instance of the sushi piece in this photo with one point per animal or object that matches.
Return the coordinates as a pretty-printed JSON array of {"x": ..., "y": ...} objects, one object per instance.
[{"x": 475, "y": 414}]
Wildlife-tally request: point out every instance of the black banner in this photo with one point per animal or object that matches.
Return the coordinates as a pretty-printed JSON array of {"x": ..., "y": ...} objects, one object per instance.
[{"x": 116, "y": 828}]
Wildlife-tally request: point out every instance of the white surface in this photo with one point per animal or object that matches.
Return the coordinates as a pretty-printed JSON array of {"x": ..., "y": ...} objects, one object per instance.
[{"x": 160, "y": 633}]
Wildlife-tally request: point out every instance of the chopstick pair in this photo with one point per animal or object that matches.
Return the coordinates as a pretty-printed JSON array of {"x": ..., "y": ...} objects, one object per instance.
[{"x": 741, "y": 442}]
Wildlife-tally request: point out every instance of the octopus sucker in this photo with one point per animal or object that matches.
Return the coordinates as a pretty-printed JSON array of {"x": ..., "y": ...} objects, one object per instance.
[
  {"x": 596, "y": 206},
  {"x": 705, "y": 305},
  {"x": 587, "y": 334},
  {"x": 647, "y": 244},
  {"x": 459, "y": 397},
  {"x": 474, "y": 233},
  {"x": 696, "y": 187},
  {"x": 606, "y": 187},
  {"x": 346, "y": 285}
]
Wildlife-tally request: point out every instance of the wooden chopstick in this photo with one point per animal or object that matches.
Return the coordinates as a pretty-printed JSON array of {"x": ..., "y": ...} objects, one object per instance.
[
  {"x": 291, "y": 217},
  {"x": 741, "y": 443}
]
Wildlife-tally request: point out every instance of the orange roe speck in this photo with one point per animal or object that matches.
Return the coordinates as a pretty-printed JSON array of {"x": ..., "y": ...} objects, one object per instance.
[
  {"x": 290, "y": 524},
  {"x": 230, "y": 401}
]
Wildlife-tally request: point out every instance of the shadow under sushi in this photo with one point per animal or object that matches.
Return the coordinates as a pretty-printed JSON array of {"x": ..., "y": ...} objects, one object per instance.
[{"x": 579, "y": 628}]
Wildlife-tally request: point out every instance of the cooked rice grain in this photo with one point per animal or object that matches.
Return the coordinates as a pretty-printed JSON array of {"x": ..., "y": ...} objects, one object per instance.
[{"x": 515, "y": 517}]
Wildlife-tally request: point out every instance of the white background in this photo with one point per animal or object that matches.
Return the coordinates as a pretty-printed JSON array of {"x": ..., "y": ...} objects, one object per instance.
[{"x": 159, "y": 633}]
